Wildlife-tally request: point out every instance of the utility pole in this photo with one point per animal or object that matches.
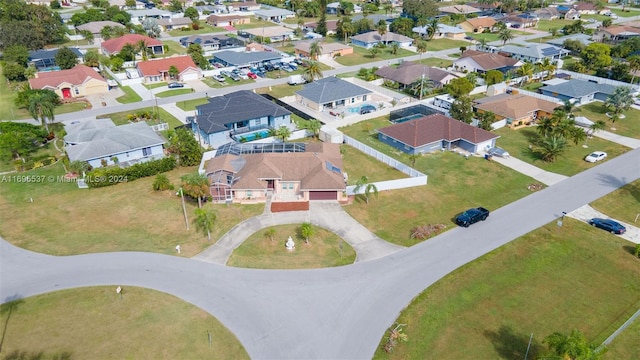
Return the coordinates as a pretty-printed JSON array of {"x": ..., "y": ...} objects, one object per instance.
[{"x": 184, "y": 209}]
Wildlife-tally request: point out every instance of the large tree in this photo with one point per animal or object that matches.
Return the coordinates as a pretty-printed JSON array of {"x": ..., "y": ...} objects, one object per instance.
[
  {"x": 422, "y": 87},
  {"x": 620, "y": 100},
  {"x": 195, "y": 185},
  {"x": 420, "y": 9},
  {"x": 459, "y": 87},
  {"x": 462, "y": 109},
  {"x": 18, "y": 54},
  {"x": 183, "y": 143},
  {"x": 596, "y": 56},
  {"x": 39, "y": 103},
  {"x": 493, "y": 77},
  {"x": 552, "y": 147},
  {"x": 505, "y": 34},
  {"x": 403, "y": 26},
  {"x": 66, "y": 58},
  {"x": 312, "y": 71},
  {"x": 315, "y": 50},
  {"x": 33, "y": 26}
]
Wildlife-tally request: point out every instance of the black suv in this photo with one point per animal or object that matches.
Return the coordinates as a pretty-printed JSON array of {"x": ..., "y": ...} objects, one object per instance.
[{"x": 472, "y": 216}]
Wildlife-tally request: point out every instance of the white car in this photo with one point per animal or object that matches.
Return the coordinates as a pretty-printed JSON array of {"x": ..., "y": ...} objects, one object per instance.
[{"x": 595, "y": 156}]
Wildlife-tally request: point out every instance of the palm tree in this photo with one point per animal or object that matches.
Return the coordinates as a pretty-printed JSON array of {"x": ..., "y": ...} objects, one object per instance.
[
  {"x": 382, "y": 29},
  {"x": 173, "y": 72},
  {"x": 422, "y": 86},
  {"x": 270, "y": 234},
  {"x": 314, "y": 126},
  {"x": 388, "y": 8},
  {"x": 526, "y": 71},
  {"x": 141, "y": 48},
  {"x": 394, "y": 48},
  {"x": 549, "y": 67},
  {"x": 421, "y": 47},
  {"x": 368, "y": 188},
  {"x": 204, "y": 221},
  {"x": 312, "y": 71},
  {"x": 374, "y": 51},
  {"x": 307, "y": 231},
  {"x": 620, "y": 100},
  {"x": 596, "y": 126},
  {"x": 195, "y": 185},
  {"x": 568, "y": 107},
  {"x": 283, "y": 133},
  {"x": 552, "y": 147},
  {"x": 41, "y": 106},
  {"x": 545, "y": 126},
  {"x": 432, "y": 28},
  {"x": 483, "y": 44},
  {"x": 634, "y": 66},
  {"x": 347, "y": 29},
  {"x": 505, "y": 35},
  {"x": 315, "y": 50}
]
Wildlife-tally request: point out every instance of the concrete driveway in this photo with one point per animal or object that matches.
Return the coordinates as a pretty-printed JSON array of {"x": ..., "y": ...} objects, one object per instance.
[{"x": 586, "y": 213}]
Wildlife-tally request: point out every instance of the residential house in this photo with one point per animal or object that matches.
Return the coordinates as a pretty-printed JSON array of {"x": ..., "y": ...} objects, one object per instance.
[
  {"x": 409, "y": 72},
  {"x": 246, "y": 58},
  {"x": 534, "y": 53},
  {"x": 332, "y": 26},
  {"x": 113, "y": 46},
  {"x": 46, "y": 59},
  {"x": 571, "y": 14},
  {"x": 616, "y": 33},
  {"x": 373, "y": 38},
  {"x": 585, "y": 8},
  {"x": 481, "y": 62},
  {"x": 518, "y": 110},
  {"x": 244, "y": 6},
  {"x": 212, "y": 42},
  {"x": 522, "y": 20},
  {"x": 227, "y": 117},
  {"x": 314, "y": 172},
  {"x": 138, "y": 16},
  {"x": 273, "y": 33},
  {"x": 157, "y": 70},
  {"x": 443, "y": 32},
  {"x": 334, "y": 8},
  {"x": 434, "y": 133},
  {"x": 327, "y": 50},
  {"x": 227, "y": 20},
  {"x": 548, "y": 13},
  {"x": 122, "y": 4},
  {"x": 584, "y": 39},
  {"x": 478, "y": 25},
  {"x": 459, "y": 10},
  {"x": 274, "y": 14},
  {"x": 79, "y": 81},
  {"x": 175, "y": 23},
  {"x": 578, "y": 91},
  {"x": 330, "y": 93},
  {"x": 95, "y": 27},
  {"x": 205, "y": 10},
  {"x": 100, "y": 142}
]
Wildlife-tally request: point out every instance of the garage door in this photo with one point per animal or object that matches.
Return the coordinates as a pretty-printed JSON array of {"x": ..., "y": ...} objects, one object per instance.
[
  {"x": 323, "y": 195},
  {"x": 190, "y": 76}
]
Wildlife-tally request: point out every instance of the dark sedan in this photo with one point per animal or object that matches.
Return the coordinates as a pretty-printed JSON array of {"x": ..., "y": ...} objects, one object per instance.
[
  {"x": 472, "y": 216},
  {"x": 175, "y": 85},
  {"x": 609, "y": 225}
]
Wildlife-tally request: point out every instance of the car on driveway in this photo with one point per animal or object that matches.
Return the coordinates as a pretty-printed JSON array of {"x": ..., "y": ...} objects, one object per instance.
[
  {"x": 365, "y": 109},
  {"x": 175, "y": 85},
  {"x": 472, "y": 216},
  {"x": 595, "y": 156},
  {"x": 609, "y": 225},
  {"x": 252, "y": 75},
  {"x": 220, "y": 78},
  {"x": 500, "y": 152}
]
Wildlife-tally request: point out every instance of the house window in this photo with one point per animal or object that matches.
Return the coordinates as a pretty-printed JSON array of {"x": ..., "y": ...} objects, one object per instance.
[
  {"x": 146, "y": 151},
  {"x": 77, "y": 91},
  {"x": 249, "y": 193},
  {"x": 284, "y": 186},
  {"x": 291, "y": 186},
  {"x": 353, "y": 100}
]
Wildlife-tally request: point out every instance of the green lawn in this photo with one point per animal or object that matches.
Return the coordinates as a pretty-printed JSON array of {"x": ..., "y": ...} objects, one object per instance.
[
  {"x": 121, "y": 117},
  {"x": 94, "y": 323},
  {"x": 212, "y": 83},
  {"x": 358, "y": 164},
  {"x": 533, "y": 86},
  {"x": 625, "y": 345},
  {"x": 441, "y": 63},
  {"x": 190, "y": 105},
  {"x": 155, "y": 85},
  {"x": 174, "y": 48},
  {"x": 444, "y": 44},
  {"x": 489, "y": 37},
  {"x": 540, "y": 283},
  {"x": 622, "y": 204},
  {"x": 626, "y": 13},
  {"x": 323, "y": 250},
  {"x": 255, "y": 23},
  {"x": 362, "y": 56},
  {"x": 454, "y": 184},
  {"x": 546, "y": 25},
  {"x": 204, "y": 29},
  {"x": 629, "y": 126},
  {"x": 113, "y": 218},
  {"x": 571, "y": 162},
  {"x": 280, "y": 91},
  {"x": 173, "y": 92},
  {"x": 129, "y": 96}
]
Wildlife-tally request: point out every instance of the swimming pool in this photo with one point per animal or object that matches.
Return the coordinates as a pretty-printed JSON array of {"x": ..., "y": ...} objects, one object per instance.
[
  {"x": 252, "y": 136},
  {"x": 408, "y": 118},
  {"x": 356, "y": 109}
]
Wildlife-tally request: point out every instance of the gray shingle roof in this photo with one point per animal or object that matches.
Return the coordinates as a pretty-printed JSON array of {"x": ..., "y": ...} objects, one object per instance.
[
  {"x": 537, "y": 51},
  {"x": 576, "y": 88},
  {"x": 331, "y": 89},
  {"x": 50, "y": 54},
  {"x": 243, "y": 58},
  {"x": 109, "y": 141},
  {"x": 583, "y": 38},
  {"x": 237, "y": 106}
]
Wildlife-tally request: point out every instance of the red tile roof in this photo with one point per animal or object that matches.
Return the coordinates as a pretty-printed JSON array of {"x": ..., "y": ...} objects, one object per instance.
[
  {"x": 115, "y": 45},
  {"x": 160, "y": 66},
  {"x": 76, "y": 76},
  {"x": 435, "y": 127}
]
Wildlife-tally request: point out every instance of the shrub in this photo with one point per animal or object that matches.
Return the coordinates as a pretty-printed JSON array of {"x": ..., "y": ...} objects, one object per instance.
[
  {"x": 637, "y": 252},
  {"x": 162, "y": 183},
  {"x": 110, "y": 176},
  {"x": 426, "y": 231}
]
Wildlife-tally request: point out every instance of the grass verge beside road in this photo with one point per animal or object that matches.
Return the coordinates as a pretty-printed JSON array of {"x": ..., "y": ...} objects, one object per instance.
[
  {"x": 541, "y": 283},
  {"x": 622, "y": 204},
  {"x": 130, "y": 96},
  {"x": 571, "y": 162},
  {"x": 124, "y": 217},
  {"x": 95, "y": 323},
  {"x": 324, "y": 250},
  {"x": 362, "y": 56},
  {"x": 190, "y": 105},
  {"x": 174, "y": 92},
  {"x": 280, "y": 91},
  {"x": 629, "y": 126},
  {"x": 122, "y": 117}
]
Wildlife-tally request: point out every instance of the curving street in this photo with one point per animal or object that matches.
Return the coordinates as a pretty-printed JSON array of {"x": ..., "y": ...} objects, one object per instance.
[{"x": 325, "y": 313}]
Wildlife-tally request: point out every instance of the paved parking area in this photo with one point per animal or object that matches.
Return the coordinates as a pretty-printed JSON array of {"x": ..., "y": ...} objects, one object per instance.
[{"x": 586, "y": 213}]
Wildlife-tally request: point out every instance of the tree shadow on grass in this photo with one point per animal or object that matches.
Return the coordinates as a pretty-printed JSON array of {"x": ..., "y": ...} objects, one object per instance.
[
  {"x": 630, "y": 249},
  {"x": 511, "y": 345},
  {"x": 12, "y": 303}
]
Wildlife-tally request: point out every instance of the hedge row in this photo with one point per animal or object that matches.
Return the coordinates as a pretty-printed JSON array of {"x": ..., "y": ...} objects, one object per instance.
[
  {"x": 34, "y": 163},
  {"x": 110, "y": 176}
]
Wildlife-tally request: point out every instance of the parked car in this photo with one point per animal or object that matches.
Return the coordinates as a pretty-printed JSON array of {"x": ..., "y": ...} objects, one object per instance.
[
  {"x": 293, "y": 66},
  {"x": 252, "y": 75},
  {"x": 287, "y": 68},
  {"x": 260, "y": 74},
  {"x": 225, "y": 73},
  {"x": 472, "y": 216},
  {"x": 497, "y": 151},
  {"x": 365, "y": 109},
  {"x": 276, "y": 65},
  {"x": 609, "y": 225},
  {"x": 175, "y": 85},
  {"x": 235, "y": 77},
  {"x": 595, "y": 156},
  {"x": 220, "y": 78}
]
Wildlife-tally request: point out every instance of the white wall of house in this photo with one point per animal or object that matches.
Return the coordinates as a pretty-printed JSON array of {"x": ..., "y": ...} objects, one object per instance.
[{"x": 140, "y": 155}]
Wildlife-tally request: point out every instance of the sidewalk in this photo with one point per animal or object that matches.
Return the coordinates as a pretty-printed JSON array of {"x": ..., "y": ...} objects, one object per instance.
[
  {"x": 545, "y": 177},
  {"x": 142, "y": 91},
  {"x": 619, "y": 139},
  {"x": 328, "y": 215}
]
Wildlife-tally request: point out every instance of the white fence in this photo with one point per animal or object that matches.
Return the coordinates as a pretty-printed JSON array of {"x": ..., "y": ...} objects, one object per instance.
[
  {"x": 536, "y": 95},
  {"x": 382, "y": 157},
  {"x": 391, "y": 184}
]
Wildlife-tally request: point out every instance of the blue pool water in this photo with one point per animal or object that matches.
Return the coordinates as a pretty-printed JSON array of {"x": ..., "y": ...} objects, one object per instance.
[
  {"x": 253, "y": 136},
  {"x": 408, "y": 118},
  {"x": 356, "y": 109}
]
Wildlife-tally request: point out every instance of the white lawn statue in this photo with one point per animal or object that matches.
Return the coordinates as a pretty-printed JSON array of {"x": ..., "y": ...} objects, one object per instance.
[
  {"x": 178, "y": 248},
  {"x": 290, "y": 245}
]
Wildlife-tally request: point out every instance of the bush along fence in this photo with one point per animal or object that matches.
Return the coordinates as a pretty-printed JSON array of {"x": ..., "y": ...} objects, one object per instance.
[{"x": 110, "y": 176}]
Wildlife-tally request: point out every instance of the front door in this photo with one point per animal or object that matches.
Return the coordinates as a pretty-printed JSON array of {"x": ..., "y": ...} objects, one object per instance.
[{"x": 66, "y": 93}]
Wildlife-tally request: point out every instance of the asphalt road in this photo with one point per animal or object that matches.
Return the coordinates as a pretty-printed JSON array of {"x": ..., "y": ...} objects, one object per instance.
[{"x": 334, "y": 313}]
